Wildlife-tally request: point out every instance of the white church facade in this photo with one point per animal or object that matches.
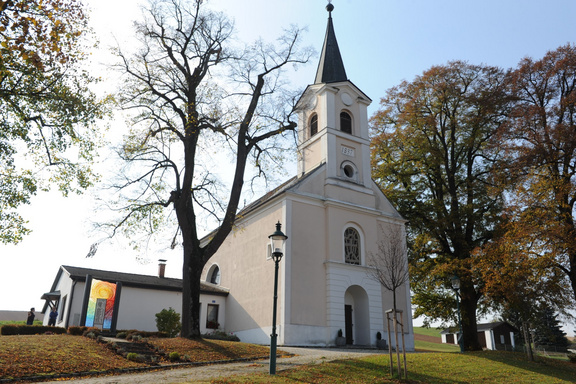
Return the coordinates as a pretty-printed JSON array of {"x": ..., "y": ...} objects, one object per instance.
[{"x": 334, "y": 216}]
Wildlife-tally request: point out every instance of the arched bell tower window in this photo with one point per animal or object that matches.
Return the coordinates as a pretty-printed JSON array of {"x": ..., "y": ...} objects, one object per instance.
[
  {"x": 313, "y": 125},
  {"x": 214, "y": 275},
  {"x": 345, "y": 122},
  {"x": 351, "y": 246}
]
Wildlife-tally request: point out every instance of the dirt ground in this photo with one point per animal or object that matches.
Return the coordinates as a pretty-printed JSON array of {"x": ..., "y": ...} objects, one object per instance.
[
  {"x": 431, "y": 339},
  {"x": 206, "y": 373}
]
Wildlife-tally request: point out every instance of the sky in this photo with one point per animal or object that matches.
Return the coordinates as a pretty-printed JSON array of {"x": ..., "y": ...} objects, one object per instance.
[{"x": 382, "y": 43}]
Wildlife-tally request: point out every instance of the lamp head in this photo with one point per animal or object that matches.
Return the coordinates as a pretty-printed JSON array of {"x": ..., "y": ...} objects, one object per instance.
[
  {"x": 277, "y": 240},
  {"x": 455, "y": 280}
]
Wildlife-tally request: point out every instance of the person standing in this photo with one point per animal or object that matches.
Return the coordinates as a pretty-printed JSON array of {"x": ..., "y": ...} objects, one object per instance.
[
  {"x": 31, "y": 316},
  {"x": 53, "y": 317}
]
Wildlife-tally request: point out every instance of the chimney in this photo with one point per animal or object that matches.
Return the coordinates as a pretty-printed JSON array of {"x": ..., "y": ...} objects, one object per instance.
[{"x": 161, "y": 268}]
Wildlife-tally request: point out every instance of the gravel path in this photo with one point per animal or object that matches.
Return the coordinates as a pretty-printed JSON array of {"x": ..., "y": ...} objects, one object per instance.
[{"x": 206, "y": 373}]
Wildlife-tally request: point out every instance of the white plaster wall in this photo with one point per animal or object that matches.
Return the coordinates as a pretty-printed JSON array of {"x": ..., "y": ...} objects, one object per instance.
[
  {"x": 307, "y": 285},
  {"x": 249, "y": 275},
  {"x": 489, "y": 335},
  {"x": 340, "y": 277},
  {"x": 212, "y": 299},
  {"x": 76, "y": 305},
  {"x": 139, "y": 306}
]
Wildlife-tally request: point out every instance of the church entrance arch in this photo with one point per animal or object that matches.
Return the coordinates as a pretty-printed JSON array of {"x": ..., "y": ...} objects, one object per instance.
[{"x": 356, "y": 316}]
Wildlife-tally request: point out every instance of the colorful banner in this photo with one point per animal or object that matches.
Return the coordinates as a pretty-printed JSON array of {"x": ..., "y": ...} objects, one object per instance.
[{"x": 101, "y": 304}]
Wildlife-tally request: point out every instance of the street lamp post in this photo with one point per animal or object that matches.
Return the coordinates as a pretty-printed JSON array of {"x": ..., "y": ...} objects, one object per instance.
[
  {"x": 456, "y": 286},
  {"x": 276, "y": 243}
]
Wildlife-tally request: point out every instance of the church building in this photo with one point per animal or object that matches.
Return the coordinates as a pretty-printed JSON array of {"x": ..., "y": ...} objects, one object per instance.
[{"x": 334, "y": 216}]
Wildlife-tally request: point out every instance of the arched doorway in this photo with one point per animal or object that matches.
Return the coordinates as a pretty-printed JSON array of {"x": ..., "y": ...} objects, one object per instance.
[{"x": 356, "y": 316}]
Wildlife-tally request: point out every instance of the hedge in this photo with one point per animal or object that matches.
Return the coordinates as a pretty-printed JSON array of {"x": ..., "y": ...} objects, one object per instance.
[{"x": 9, "y": 329}]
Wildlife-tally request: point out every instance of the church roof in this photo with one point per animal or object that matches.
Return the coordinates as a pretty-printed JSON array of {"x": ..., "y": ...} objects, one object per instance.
[
  {"x": 291, "y": 183},
  {"x": 331, "y": 67}
]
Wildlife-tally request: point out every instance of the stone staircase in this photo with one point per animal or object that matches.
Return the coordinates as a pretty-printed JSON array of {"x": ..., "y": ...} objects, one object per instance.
[{"x": 146, "y": 352}]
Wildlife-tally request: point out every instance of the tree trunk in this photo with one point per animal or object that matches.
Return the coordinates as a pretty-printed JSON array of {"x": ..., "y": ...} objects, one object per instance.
[
  {"x": 468, "y": 307},
  {"x": 192, "y": 265},
  {"x": 191, "y": 273},
  {"x": 526, "y": 331}
]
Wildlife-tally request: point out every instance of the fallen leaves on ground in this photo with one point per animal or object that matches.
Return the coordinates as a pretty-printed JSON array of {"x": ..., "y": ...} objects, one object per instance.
[
  {"x": 40, "y": 355},
  {"x": 31, "y": 355},
  {"x": 210, "y": 350}
]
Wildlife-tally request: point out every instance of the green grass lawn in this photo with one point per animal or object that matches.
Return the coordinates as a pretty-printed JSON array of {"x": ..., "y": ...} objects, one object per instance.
[
  {"x": 489, "y": 367},
  {"x": 431, "y": 346},
  {"x": 435, "y": 347},
  {"x": 435, "y": 332},
  {"x": 52, "y": 354}
]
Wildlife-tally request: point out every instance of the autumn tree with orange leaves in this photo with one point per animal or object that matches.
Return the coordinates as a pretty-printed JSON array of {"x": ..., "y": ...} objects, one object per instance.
[
  {"x": 541, "y": 162},
  {"x": 47, "y": 111},
  {"x": 433, "y": 154}
]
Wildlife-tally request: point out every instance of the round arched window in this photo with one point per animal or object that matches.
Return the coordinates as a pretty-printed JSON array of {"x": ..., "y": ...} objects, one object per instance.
[
  {"x": 313, "y": 125},
  {"x": 214, "y": 275},
  {"x": 345, "y": 122}
]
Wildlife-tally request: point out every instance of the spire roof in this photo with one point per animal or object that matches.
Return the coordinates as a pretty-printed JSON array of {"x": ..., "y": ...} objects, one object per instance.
[{"x": 331, "y": 67}]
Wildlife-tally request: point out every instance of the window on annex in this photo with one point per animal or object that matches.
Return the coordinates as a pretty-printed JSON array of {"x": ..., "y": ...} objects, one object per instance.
[
  {"x": 212, "y": 316},
  {"x": 313, "y": 125},
  {"x": 62, "y": 308},
  {"x": 345, "y": 122},
  {"x": 351, "y": 246},
  {"x": 215, "y": 275}
]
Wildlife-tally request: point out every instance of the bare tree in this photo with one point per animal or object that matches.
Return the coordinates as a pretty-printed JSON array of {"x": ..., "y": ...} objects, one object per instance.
[
  {"x": 389, "y": 267},
  {"x": 195, "y": 98}
]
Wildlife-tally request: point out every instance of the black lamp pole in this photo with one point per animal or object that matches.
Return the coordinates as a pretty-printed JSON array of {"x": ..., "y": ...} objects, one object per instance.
[
  {"x": 276, "y": 239},
  {"x": 456, "y": 287}
]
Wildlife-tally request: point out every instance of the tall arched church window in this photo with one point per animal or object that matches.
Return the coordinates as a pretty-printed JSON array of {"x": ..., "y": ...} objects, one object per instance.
[
  {"x": 351, "y": 246},
  {"x": 313, "y": 125},
  {"x": 345, "y": 122}
]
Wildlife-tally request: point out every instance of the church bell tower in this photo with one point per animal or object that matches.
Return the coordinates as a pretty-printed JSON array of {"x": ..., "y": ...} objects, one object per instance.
[{"x": 333, "y": 121}]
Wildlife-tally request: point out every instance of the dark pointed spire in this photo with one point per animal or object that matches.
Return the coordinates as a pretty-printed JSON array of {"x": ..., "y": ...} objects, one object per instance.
[{"x": 331, "y": 67}]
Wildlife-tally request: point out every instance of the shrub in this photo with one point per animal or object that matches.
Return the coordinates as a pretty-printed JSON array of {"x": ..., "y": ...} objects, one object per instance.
[
  {"x": 132, "y": 356},
  {"x": 77, "y": 330},
  {"x": 378, "y": 336},
  {"x": 221, "y": 335},
  {"x": 91, "y": 332},
  {"x": 572, "y": 357},
  {"x": 168, "y": 320},
  {"x": 339, "y": 333},
  {"x": 128, "y": 334},
  {"x": 16, "y": 329},
  {"x": 121, "y": 335},
  {"x": 174, "y": 356}
]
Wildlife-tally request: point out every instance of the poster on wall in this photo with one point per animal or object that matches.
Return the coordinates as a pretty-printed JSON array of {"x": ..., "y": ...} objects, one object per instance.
[{"x": 101, "y": 304}]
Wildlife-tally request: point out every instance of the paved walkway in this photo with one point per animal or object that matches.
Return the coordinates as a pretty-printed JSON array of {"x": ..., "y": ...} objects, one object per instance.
[{"x": 206, "y": 373}]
